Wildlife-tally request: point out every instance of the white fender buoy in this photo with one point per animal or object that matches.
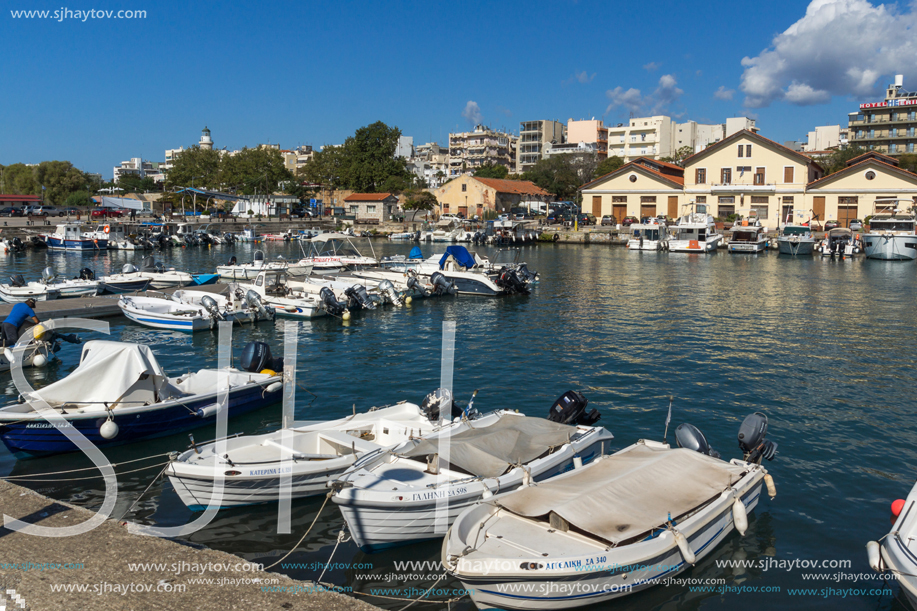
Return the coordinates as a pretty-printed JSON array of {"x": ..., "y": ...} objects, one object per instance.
[
  {"x": 39, "y": 360},
  {"x": 577, "y": 462},
  {"x": 771, "y": 487},
  {"x": 408, "y": 300},
  {"x": 346, "y": 315},
  {"x": 685, "y": 547},
  {"x": 740, "y": 516},
  {"x": 875, "y": 558},
  {"x": 108, "y": 430},
  {"x": 274, "y": 387},
  {"x": 9, "y": 355},
  {"x": 208, "y": 410}
]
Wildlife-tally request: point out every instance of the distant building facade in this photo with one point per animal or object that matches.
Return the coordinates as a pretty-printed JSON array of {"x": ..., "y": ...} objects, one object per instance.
[
  {"x": 591, "y": 131},
  {"x": 135, "y": 167},
  {"x": 371, "y": 207},
  {"x": 888, "y": 127},
  {"x": 481, "y": 146},
  {"x": 472, "y": 196},
  {"x": 534, "y": 138}
]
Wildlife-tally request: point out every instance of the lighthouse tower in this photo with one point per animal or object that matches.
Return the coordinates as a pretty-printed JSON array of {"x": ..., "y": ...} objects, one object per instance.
[{"x": 206, "y": 143}]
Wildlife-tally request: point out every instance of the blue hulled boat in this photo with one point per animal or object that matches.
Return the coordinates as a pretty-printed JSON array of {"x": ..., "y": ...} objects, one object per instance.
[
  {"x": 69, "y": 236},
  {"x": 119, "y": 394}
]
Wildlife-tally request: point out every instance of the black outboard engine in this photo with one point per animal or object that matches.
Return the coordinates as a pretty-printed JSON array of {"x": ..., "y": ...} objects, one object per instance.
[
  {"x": 256, "y": 357},
  {"x": 570, "y": 408},
  {"x": 414, "y": 284},
  {"x": 688, "y": 436},
  {"x": 441, "y": 284},
  {"x": 751, "y": 439},
  {"x": 253, "y": 300},
  {"x": 35, "y": 240},
  {"x": 212, "y": 307},
  {"x": 87, "y": 274},
  {"x": 233, "y": 260},
  {"x": 357, "y": 297},
  {"x": 439, "y": 404},
  {"x": 330, "y": 302},
  {"x": 17, "y": 280},
  {"x": 229, "y": 238},
  {"x": 510, "y": 282},
  {"x": 17, "y": 244}
]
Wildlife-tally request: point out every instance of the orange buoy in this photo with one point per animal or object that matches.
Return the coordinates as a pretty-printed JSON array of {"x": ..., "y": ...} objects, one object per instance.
[{"x": 897, "y": 506}]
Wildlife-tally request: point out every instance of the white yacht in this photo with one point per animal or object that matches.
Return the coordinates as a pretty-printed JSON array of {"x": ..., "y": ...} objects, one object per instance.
[
  {"x": 651, "y": 235},
  {"x": 695, "y": 231},
  {"x": 894, "y": 553},
  {"x": 748, "y": 236},
  {"x": 272, "y": 288},
  {"x": 334, "y": 251},
  {"x": 234, "y": 270},
  {"x": 892, "y": 235},
  {"x": 796, "y": 240}
]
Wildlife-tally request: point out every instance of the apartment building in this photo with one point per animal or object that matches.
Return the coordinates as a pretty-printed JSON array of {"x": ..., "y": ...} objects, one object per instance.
[
  {"x": 534, "y": 138},
  {"x": 888, "y": 127},
  {"x": 697, "y": 136},
  {"x": 430, "y": 164},
  {"x": 652, "y": 137},
  {"x": 135, "y": 166},
  {"x": 471, "y": 150},
  {"x": 589, "y": 131}
]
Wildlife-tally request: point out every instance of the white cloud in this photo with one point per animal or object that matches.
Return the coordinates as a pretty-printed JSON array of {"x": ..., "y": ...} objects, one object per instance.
[
  {"x": 724, "y": 94},
  {"x": 666, "y": 94},
  {"x": 472, "y": 113},
  {"x": 579, "y": 77},
  {"x": 840, "y": 47},
  {"x": 651, "y": 66}
]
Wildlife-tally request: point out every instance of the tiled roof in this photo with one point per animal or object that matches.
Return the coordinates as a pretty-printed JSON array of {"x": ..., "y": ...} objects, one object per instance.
[
  {"x": 665, "y": 164},
  {"x": 879, "y": 156},
  {"x": 20, "y": 198},
  {"x": 521, "y": 187},
  {"x": 627, "y": 167},
  {"x": 731, "y": 139},
  {"x": 367, "y": 197},
  {"x": 857, "y": 166}
]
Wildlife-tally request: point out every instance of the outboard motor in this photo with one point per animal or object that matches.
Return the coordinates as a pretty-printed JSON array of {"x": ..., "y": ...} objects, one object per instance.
[
  {"x": 570, "y": 408},
  {"x": 417, "y": 236},
  {"x": 230, "y": 238},
  {"x": 17, "y": 280},
  {"x": 688, "y": 436},
  {"x": 414, "y": 284},
  {"x": 359, "y": 298},
  {"x": 751, "y": 439},
  {"x": 48, "y": 275},
  {"x": 441, "y": 284},
  {"x": 212, "y": 307},
  {"x": 253, "y": 300},
  {"x": 233, "y": 260},
  {"x": 256, "y": 357},
  {"x": 528, "y": 276},
  {"x": 129, "y": 268},
  {"x": 439, "y": 404},
  {"x": 87, "y": 274},
  {"x": 330, "y": 302},
  {"x": 35, "y": 240},
  {"x": 149, "y": 265},
  {"x": 510, "y": 282},
  {"x": 388, "y": 288},
  {"x": 17, "y": 243}
]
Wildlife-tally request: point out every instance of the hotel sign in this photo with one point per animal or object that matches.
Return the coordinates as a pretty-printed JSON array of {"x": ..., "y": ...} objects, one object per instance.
[{"x": 890, "y": 103}]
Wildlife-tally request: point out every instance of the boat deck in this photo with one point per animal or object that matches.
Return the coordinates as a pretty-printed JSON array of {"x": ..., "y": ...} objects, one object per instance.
[{"x": 103, "y": 306}]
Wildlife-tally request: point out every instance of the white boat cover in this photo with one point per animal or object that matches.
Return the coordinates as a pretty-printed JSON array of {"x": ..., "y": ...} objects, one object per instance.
[
  {"x": 629, "y": 493},
  {"x": 108, "y": 372},
  {"x": 490, "y": 451}
]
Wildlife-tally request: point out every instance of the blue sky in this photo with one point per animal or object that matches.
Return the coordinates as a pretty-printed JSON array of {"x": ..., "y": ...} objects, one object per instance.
[{"x": 104, "y": 90}]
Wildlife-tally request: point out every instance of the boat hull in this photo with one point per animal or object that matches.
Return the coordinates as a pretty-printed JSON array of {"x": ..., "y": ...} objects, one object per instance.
[
  {"x": 890, "y": 247},
  {"x": 20, "y": 294},
  {"x": 56, "y": 243},
  {"x": 125, "y": 286},
  {"x": 40, "y": 438},
  {"x": 795, "y": 248},
  {"x": 709, "y": 245},
  {"x": 747, "y": 247}
]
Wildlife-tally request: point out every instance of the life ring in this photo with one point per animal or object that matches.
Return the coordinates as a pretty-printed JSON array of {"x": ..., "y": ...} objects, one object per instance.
[
  {"x": 556, "y": 236},
  {"x": 106, "y": 229}
]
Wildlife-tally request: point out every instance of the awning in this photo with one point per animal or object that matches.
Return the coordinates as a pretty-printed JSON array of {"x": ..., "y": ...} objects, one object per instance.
[{"x": 121, "y": 202}]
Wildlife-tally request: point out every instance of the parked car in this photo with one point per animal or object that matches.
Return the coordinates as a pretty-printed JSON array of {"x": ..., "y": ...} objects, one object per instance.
[
  {"x": 520, "y": 216},
  {"x": 609, "y": 220},
  {"x": 71, "y": 211},
  {"x": 585, "y": 218},
  {"x": 554, "y": 216},
  {"x": 856, "y": 225},
  {"x": 111, "y": 213},
  {"x": 829, "y": 225},
  {"x": 629, "y": 220},
  {"x": 502, "y": 217},
  {"x": 452, "y": 217},
  {"x": 11, "y": 211}
]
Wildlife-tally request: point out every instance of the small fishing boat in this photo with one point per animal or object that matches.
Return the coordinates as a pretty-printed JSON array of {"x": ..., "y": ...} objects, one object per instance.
[
  {"x": 234, "y": 270},
  {"x": 841, "y": 242},
  {"x": 40, "y": 346},
  {"x": 158, "y": 276},
  {"x": 249, "y": 234},
  {"x": 612, "y": 528},
  {"x": 69, "y": 236},
  {"x": 396, "y": 496},
  {"x": 18, "y": 290},
  {"x": 76, "y": 287},
  {"x": 202, "y": 279},
  {"x": 190, "y": 310},
  {"x": 250, "y": 466},
  {"x": 119, "y": 393},
  {"x": 272, "y": 288},
  {"x": 651, "y": 235},
  {"x": 896, "y": 552},
  {"x": 748, "y": 236}
]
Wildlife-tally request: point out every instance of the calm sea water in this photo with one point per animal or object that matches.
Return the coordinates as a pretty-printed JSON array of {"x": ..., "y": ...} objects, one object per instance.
[{"x": 825, "y": 348}]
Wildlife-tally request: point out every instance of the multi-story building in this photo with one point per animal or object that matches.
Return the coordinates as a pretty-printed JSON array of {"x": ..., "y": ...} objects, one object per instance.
[
  {"x": 888, "y": 127},
  {"x": 430, "y": 164},
  {"x": 823, "y": 138},
  {"x": 590, "y": 131},
  {"x": 738, "y": 124},
  {"x": 652, "y": 137},
  {"x": 697, "y": 136},
  {"x": 135, "y": 167},
  {"x": 405, "y": 147},
  {"x": 534, "y": 137},
  {"x": 482, "y": 146}
]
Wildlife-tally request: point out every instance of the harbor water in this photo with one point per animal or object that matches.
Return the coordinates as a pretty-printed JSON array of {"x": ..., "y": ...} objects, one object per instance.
[{"x": 824, "y": 347}]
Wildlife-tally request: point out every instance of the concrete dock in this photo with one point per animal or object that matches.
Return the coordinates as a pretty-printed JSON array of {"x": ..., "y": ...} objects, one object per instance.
[{"x": 37, "y": 572}]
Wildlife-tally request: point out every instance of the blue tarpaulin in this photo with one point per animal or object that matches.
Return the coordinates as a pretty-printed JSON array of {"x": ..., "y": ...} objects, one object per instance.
[
  {"x": 461, "y": 255},
  {"x": 415, "y": 253}
]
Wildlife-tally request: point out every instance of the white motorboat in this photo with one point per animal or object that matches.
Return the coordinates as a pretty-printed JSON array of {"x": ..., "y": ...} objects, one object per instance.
[
  {"x": 748, "y": 236},
  {"x": 18, "y": 290},
  {"x": 119, "y": 393},
  {"x": 695, "y": 231},
  {"x": 796, "y": 240},
  {"x": 159, "y": 276},
  {"x": 458, "y": 271},
  {"x": 190, "y": 310},
  {"x": 334, "y": 251},
  {"x": 273, "y": 289},
  {"x": 896, "y": 552},
  {"x": 113, "y": 233},
  {"x": 127, "y": 281},
  {"x": 649, "y": 236},
  {"x": 612, "y": 528},
  {"x": 69, "y": 236},
  {"x": 408, "y": 284},
  {"x": 249, "y": 234},
  {"x": 38, "y": 348},
  {"x": 841, "y": 242},
  {"x": 77, "y": 287},
  {"x": 398, "y": 496},
  {"x": 356, "y": 294},
  {"x": 250, "y": 466},
  {"x": 892, "y": 235},
  {"x": 233, "y": 270}
]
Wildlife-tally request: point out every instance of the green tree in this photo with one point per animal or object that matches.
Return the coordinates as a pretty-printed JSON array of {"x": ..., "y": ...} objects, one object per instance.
[
  {"x": 18, "y": 178},
  {"x": 369, "y": 162},
  {"x": 492, "y": 170},
  {"x": 680, "y": 155},
  {"x": 608, "y": 166},
  {"x": 420, "y": 200},
  {"x": 201, "y": 165},
  {"x": 908, "y": 162},
  {"x": 837, "y": 160},
  {"x": 326, "y": 168},
  {"x": 556, "y": 175},
  {"x": 132, "y": 183},
  {"x": 78, "y": 198},
  {"x": 60, "y": 179},
  {"x": 257, "y": 170}
]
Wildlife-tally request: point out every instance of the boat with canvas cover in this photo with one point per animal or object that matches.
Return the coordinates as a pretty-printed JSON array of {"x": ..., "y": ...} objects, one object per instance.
[
  {"x": 605, "y": 530},
  {"x": 119, "y": 394},
  {"x": 251, "y": 465},
  {"x": 394, "y": 497}
]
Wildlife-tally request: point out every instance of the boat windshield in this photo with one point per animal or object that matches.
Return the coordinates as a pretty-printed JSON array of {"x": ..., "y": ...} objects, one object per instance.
[
  {"x": 795, "y": 230},
  {"x": 891, "y": 225}
]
